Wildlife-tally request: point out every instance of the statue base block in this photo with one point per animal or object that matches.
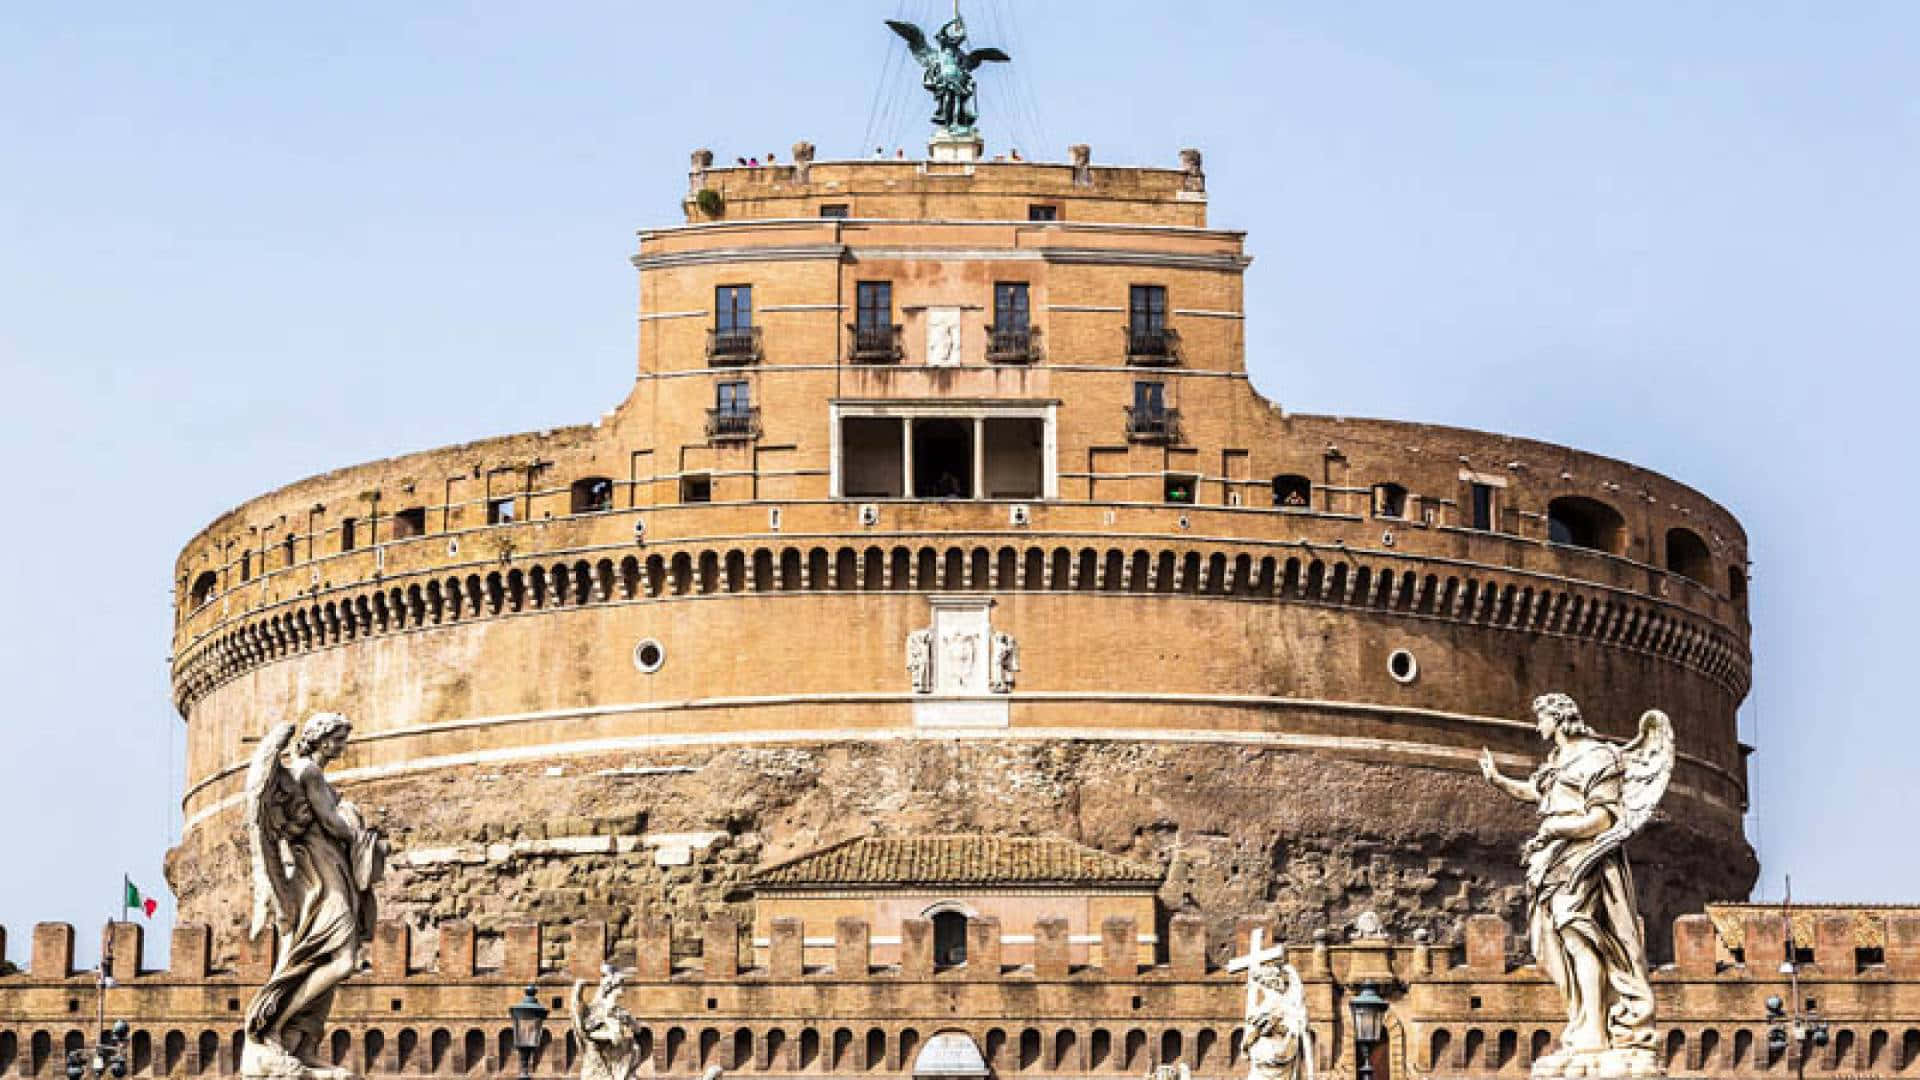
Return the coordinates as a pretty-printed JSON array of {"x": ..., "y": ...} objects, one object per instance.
[
  {"x": 956, "y": 146},
  {"x": 1597, "y": 1065},
  {"x": 260, "y": 1061}
]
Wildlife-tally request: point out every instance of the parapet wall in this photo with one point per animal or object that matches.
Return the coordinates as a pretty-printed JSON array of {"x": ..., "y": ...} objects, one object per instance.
[{"x": 1465, "y": 1009}]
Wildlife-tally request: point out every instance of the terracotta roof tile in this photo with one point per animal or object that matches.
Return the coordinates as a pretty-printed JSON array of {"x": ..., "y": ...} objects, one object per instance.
[{"x": 964, "y": 859}]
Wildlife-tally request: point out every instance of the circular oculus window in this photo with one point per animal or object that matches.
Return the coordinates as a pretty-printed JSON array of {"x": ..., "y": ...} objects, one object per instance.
[
  {"x": 648, "y": 656},
  {"x": 1402, "y": 666}
]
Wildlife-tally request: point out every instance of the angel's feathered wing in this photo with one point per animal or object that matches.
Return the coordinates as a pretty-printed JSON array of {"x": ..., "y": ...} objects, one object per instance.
[
  {"x": 981, "y": 56},
  {"x": 916, "y": 41},
  {"x": 1647, "y": 762},
  {"x": 266, "y": 792},
  {"x": 1293, "y": 1015},
  {"x": 577, "y": 1013}
]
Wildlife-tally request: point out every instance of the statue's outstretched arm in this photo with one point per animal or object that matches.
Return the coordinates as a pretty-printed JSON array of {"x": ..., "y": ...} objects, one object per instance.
[{"x": 1520, "y": 790}]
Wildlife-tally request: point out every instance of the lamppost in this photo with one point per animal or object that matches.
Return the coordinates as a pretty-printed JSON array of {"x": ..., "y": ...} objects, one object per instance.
[
  {"x": 107, "y": 1059},
  {"x": 1369, "y": 1011},
  {"x": 529, "y": 1021},
  {"x": 1786, "y": 1022}
]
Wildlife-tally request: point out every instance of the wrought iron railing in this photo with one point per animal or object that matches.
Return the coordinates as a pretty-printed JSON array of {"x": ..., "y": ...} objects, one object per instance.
[
  {"x": 1153, "y": 425},
  {"x": 1013, "y": 345},
  {"x": 733, "y": 423},
  {"x": 733, "y": 346},
  {"x": 874, "y": 344},
  {"x": 1153, "y": 346}
]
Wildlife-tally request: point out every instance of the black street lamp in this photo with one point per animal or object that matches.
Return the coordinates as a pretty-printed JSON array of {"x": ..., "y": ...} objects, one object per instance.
[
  {"x": 529, "y": 1021},
  {"x": 1369, "y": 1027},
  {"x": 107, "y": 1059}
]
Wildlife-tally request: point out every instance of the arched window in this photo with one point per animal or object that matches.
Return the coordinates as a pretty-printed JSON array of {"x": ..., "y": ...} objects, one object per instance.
[
  {"x": 203, "y": 589},
  {"x": 1589, "y": 523},
  {"x": 949, "y": 938},
  {"x": 1689, "y": 556},
  {"x": 592, "y": 495},
  {"x": 1389, "y": 501},
  {"x": 1292, "y": 491}
]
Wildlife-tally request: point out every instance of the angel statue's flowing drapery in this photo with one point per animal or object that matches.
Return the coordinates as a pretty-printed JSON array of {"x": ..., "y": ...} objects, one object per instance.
[
  {"x": 1277, "y": 1033},
  {"x": 315, "y": 862},
  {"x": 1582, "y": 921},
  {"x": 949, "y": 69},
  {"x": 603, "y": 1030}
]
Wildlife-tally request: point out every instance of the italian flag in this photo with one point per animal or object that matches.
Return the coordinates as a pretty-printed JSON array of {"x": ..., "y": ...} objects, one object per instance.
[{"x": 133, "y": 899}]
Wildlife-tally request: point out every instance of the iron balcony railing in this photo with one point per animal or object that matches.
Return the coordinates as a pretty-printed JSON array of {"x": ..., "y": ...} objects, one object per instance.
[
  {"x": 1153, "y": 346},
  {"x": 874, "y": 344},
  {"x": 733, "y": 346},
  {"x": 733, "y": 423},
  {"x": 1013, "y": 345},
  {"x": 1153, "y": 425}
]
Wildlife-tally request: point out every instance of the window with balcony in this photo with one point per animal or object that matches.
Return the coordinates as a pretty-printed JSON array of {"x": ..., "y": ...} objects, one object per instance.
[
  {"x": 1149, "y": 419},
  {"x": 876, "y": 337},
  {"x": 1010, "y": 340},
  {"x": 1149, "y": 339},
  {"x": 733, "y": 415},
  {"x": 591, "y": 495},
  {"x": 734, "y": 339}
]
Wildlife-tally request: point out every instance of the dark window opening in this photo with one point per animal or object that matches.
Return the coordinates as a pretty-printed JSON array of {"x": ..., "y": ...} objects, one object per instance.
[
  {"x": 592, "y": 495},
  {"x": 1042, "y": 212},
  {"x": 1149, "y": 418},
  {"x": 1010, "y": 308},
  {"x": 349, "y": 534},
  {"x": 1011, "y": 337},
  {"x": 1292, "y": 491},
  {"x": 1014, "y": 458},
  {"x": 1688, "y": 555},
  {"x": 501, "y": 511},
  {"x": 1737, "y": 585},
  {"x": 733, "y": 415},
  {"x": 873, "y": 305},
  {"x": 246, "y": 566},
  {"x": 833, "y": 210},
  {"x": 733, "y": 307},
  {"x": 410, "y": 523},
  {"x": 943, "y": 459},
  {"x": 1180, "y": 488},
  {"x": 1389, "y": 501},
  {"x": 1482, "y": 500},
  {"x": 287, "y": 547},
  {"x": 949, "y": 938},
  {"x": 696, "y": 489},
  {"x": 1588, "y": 523},
  {"x": 1147, "y": 332},
  {"x": 871, "y": 457},
  {"x": 204, "y": 587}
]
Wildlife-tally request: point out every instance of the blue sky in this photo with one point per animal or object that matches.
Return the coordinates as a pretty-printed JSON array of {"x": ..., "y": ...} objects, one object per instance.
[{"x": 243, "y": 244}]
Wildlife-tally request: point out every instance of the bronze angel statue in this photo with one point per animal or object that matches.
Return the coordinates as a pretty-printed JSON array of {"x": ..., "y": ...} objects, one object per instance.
[
  {"x": 315, "y": 863},
  {"x": 1582, "y": 921},
  {"x": 949, "y": 68}
]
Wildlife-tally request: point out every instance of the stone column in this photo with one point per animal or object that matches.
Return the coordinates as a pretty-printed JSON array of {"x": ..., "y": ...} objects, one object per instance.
[
  {"x": 979, "y": 459},
  {"x": 906, "y": 456}
]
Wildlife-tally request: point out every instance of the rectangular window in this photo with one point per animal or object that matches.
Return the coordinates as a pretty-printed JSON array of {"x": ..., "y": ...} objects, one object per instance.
[
  {"x": 1180, "y": 488},
  {"x": 873, "y": 305},
  {"x": 288, "y": 548},
  {"x": 1147, "y": 309},
  {"x": 833, "y": 210},
  {"x": 410, "y": 522},
  {"x": 246, "y": 566},
  {"x": 733, "y": 397},
  {"x": 696, "y": 489},
  {"x": 500, "y": 511},
  {"x": 1042, "y": 212},
  {"x": 349, "y": 534},
  {"x": 1483, "y": 507},
  {"x": 733, "y": 307},
  {"x": 1010, "y": 311},
  {"x": 1149, "y": 398}
]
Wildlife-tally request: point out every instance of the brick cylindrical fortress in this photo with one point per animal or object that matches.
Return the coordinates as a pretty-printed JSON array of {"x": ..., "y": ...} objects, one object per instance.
[{"x": 942, "y": 502}]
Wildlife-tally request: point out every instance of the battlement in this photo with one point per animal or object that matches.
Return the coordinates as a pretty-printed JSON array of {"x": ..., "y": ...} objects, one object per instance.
[{"x": 1459, "y": 1009}]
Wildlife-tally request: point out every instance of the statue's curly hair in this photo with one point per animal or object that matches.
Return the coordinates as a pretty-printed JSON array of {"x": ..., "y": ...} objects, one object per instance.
[
  {"x": 1563, "y": 711},
  {"x": 319, "y": 727}
]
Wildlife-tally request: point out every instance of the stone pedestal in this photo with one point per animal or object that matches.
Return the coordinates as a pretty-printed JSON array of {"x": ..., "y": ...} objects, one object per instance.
[{"x": 956, "y": 146}]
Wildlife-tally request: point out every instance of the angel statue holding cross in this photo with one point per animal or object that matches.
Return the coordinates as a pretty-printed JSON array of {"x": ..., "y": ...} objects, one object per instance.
[
  {"x": 949, "y": 68},
  {"x": 1582, "y": 921},
  {"x": 1279, "y": 1037}
]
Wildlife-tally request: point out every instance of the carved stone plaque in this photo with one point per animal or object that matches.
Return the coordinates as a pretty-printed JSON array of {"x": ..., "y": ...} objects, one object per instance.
[{"x": 943, "y": 336}]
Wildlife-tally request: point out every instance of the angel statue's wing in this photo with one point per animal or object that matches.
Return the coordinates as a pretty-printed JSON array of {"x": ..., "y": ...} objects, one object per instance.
[
  {"x": 916, "y": 41},
  {"x": 1647, "y": 763},
  {"x": 577, "y": 1013},
  {"x": 1293, "y": 1015},
  {"x": 981, "y": 56},
  {"x": 266, "y": 819}
]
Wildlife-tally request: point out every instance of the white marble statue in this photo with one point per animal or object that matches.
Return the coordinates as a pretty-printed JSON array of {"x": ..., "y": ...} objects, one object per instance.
[
  {"x": 603, "y": 1031},
  {"x": 1582, "y": 921},
  {"x": 1278, "y": 1033},
  {"x": 920, "y": 660},
  {"x": 315, "y": 862},
  {"x": 956, "y": 664},
  {"x": 1005, "y": 664}
]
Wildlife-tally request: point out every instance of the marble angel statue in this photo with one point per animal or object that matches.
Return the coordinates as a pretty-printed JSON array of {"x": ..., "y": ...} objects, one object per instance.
[
  {"x": 1582, "y": 920},
  {"x": 603, "y": 1030},
  {"x": 315, "y": 863},
  {"x": 1279, "y": 1037}
]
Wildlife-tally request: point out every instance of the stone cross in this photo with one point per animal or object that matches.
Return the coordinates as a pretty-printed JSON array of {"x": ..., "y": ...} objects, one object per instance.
[{"x": 1256, "y": 956}]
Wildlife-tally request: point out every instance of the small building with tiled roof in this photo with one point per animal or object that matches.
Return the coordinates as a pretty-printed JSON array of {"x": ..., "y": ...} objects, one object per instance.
[{"x": 935, "y": 885}]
